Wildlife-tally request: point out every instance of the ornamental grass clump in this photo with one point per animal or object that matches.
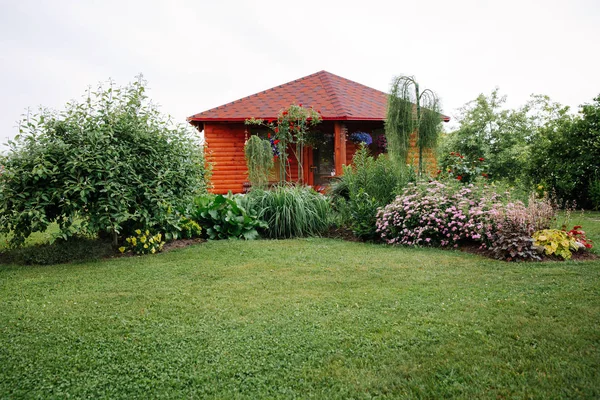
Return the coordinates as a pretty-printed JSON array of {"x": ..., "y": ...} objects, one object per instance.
[{"x": 290, "y": 211}]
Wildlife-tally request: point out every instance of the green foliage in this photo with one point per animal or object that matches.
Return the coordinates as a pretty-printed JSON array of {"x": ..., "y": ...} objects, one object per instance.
[
  {"x": 112, "y": 162},
  {"x": 505, "y": 137},
  {"x": 410, "y": 110},
  {"x": 555, "y": 242},
  {"x": 61, "y": 251},
  {"x": 224, "y": 217},
  {"x": 566, "y": 155},
  {"x": 366, "y": 185},
  {"x": 594, "y": 193},
  {"x": 291, "y": 133},
  {"x": 189, "y": 229},
  {"x": 143, "y": 243},
  {"x": 362, "y": 210},
  {"x": 259, "y": 159},
  {"x": 290, "y": 211},
  {"x": 464, "y": 169}
]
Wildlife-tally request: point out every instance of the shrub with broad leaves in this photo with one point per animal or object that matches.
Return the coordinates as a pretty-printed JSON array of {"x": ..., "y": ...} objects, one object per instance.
[
  {"x": 463, "y": 169},
  {"x": 224, "y": 217}
]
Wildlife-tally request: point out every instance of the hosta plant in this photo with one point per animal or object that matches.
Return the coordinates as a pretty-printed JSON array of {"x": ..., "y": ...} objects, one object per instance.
[
  {"x": 225, "y": 218},
  {"x": 555, "y": 242}
]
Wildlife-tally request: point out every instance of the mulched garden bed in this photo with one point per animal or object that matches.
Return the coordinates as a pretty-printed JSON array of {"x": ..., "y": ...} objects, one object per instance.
[{"x": 577, "y": 256}]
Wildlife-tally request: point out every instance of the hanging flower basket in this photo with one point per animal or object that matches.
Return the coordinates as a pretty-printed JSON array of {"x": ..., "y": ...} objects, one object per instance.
[{"x": 361, "y": 137}]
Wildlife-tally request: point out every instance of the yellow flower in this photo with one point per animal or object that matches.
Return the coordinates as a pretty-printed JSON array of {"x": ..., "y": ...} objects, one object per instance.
[
  {"x": 143, "y": 239},
  {"x": 122, "y": 249},
  {"x": 151, "y": 240},
  {"x": 147, "y": 232},
  {"x": 139, "y": 232},
  {"x": 133, "y": 241},
  {"x": 153, "y": 250},
  {"x": 128, "y": 240},
  {"x": 145, "y": 246},
  {"x": 540, "y": 187}
]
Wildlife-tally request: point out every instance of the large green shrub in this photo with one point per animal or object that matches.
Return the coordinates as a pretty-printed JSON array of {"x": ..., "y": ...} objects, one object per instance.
[
  {"x": 290, "y": 211},
  {"x": 566, "y": 156},
  {"x": 367, "y": 184},
  {"x": 113, "y": 162}
]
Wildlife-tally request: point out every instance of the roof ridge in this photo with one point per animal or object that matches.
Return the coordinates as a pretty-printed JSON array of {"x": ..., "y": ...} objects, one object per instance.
[{"x": 330, "y": 90}]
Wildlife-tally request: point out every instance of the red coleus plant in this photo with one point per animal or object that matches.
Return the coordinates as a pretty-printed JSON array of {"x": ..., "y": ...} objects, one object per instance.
[{"x": 579, "y": 236}]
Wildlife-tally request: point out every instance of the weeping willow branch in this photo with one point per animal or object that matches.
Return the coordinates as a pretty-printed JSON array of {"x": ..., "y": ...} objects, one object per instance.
[
  {"x": 259, "y": 159},
  {"x": 411, "y": 111}
]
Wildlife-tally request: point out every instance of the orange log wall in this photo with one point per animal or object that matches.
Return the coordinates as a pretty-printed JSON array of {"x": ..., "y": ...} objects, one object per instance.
[
  {"x": 429, "y": 159},
  {"x": 224, "y": 144}
]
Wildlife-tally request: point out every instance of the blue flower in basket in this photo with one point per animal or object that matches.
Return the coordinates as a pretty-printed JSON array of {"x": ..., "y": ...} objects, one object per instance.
[{"x": 361, "y": 137}]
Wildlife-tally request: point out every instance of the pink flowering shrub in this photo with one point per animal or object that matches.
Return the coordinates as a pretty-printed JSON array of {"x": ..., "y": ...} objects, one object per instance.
[{"x": 438, "y": 214}]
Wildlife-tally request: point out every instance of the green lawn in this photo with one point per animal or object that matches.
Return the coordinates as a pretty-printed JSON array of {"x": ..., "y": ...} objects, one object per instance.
[{"x": 316, "y": 318}]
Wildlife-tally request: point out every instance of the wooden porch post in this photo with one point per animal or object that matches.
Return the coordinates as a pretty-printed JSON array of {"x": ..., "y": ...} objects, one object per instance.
[{"x": 339, "y": 130}]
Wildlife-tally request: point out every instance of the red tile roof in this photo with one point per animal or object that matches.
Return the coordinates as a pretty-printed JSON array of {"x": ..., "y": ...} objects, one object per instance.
[{"x": 337, "y": 98}]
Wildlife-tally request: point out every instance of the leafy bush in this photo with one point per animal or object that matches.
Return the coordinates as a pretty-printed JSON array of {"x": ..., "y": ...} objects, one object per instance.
[
  {"x": 463, "y": 169},
  {"x": 566, "y": 154},
  {"x": 594, "y": 193},
  {"x": 555, "y": 242},
  {"x": 224, "y": 217},
  {"x": 363, "y": 214},
  {"x": 290, "y": 211},
  {"x": 76, "y": 248},
  {"x": 368, "y": 184},
  {"x": 437, "y": 214},
  {"x": 189, "y": 229},
  {"x": 143, "y": 243},
  {"x": 113, "y": 163},
  {"x": 513, "y": 226}
]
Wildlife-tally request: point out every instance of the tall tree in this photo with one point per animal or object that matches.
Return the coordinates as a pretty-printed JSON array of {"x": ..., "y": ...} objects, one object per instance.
[
  {"x": 502, "y": 136},
  {"x": 565, "y": 156},
  {"x": 411, "y": 110}
]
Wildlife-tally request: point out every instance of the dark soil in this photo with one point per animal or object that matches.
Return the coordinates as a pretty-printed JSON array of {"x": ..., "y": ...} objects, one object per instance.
[
  {"x": 577, "y": 256},
  {"x": 343, "y": 233}
]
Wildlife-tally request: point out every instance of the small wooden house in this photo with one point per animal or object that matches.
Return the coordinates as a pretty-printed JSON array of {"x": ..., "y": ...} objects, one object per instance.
[{"x": 345, "y": 107}]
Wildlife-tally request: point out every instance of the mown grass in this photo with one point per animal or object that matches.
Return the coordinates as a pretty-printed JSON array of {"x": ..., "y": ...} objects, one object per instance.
[{"x": 308, "y": 318}]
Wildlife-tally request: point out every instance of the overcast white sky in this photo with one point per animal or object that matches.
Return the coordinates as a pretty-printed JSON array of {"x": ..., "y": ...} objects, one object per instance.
[{"x": 200, "y": 54}]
